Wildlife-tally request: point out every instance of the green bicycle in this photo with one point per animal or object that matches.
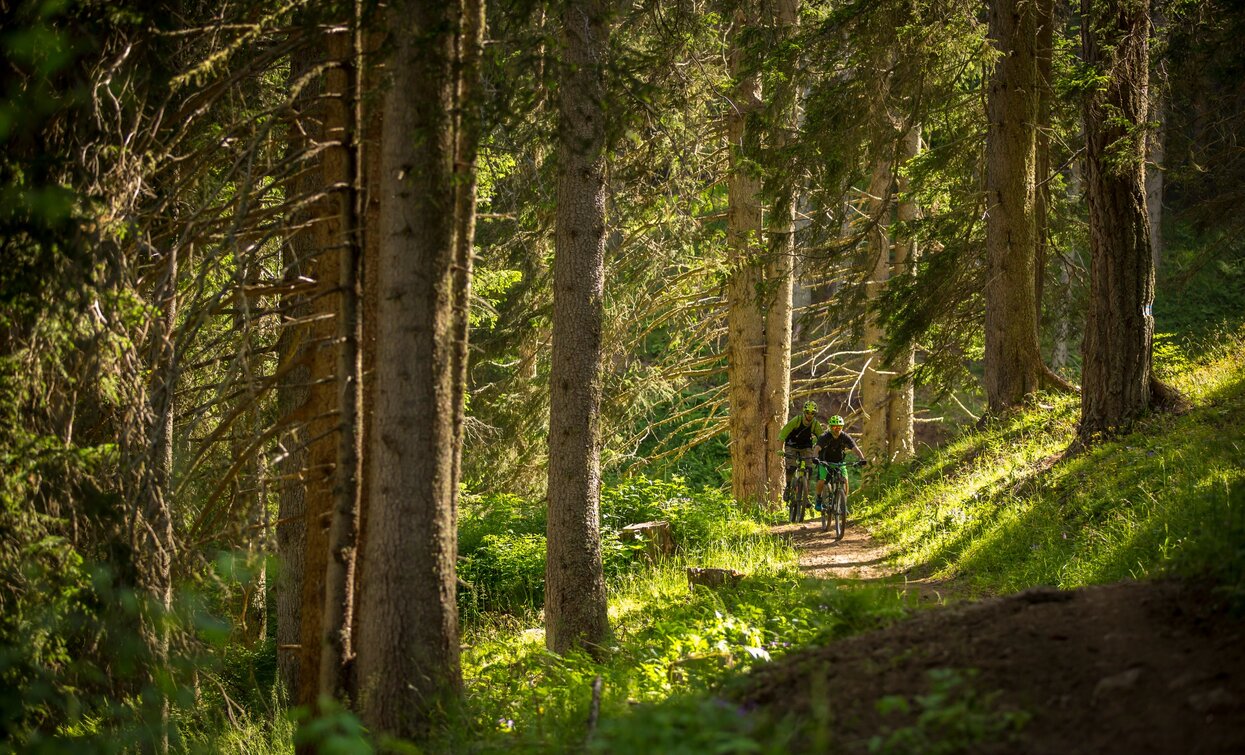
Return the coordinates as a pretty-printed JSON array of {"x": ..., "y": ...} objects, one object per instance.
[{"x": 835, "y": 509}]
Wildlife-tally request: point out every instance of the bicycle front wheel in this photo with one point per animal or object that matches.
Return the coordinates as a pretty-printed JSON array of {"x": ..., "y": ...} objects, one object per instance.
[{"x": 840, "y": 512}]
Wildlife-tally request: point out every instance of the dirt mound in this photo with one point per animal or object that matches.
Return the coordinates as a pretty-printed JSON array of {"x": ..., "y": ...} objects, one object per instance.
[{"x": 1156, "y": 667}]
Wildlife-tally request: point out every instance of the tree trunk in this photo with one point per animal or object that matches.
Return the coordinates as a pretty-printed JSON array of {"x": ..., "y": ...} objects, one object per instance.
[
  {"x": 1013, "y": 364},
  {"x": 296, "y": 349},
  {"x": 247, "y": 494},
  {"x": 1156, "y": 139},
  {"x": 874, "y": 384},
  {"x": 336, "y": 644},
  {"x": 745, "y": 318},
  {"x": 1064, "y": 305},
  {"x": 1116, "y": 377},
  {"x": 780, "y": 272},
  {"x": 152, "y": 538},
  {"x": 900, "y": 443},
  {"x": 1041, "y": 198},
  {"x": 409, "y": 670},
  {"x": 319, "y": 471},
  {"x": 467, "y": 130},
  {"x": 575, "y": 599},
  {"x": 369, "y": 226}
]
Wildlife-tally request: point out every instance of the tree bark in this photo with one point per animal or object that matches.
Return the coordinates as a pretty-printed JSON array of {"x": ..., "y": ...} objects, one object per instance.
[
  {"x": 900, "y": 443},
  {"x": 1013, "y": 364},
  {"x": 370, "y": 135},
  {"x": 1116, "y": 379},
  {"x": 318, "y": 412},
  {"x": 575, "y": 599},
  {"x": 780, "y": 271},
  {"x": 336, "y": 638},
  {"x": 745, "y": 319},
  {"x": 296, "y": 347},
  {"x": 1041, "y": 198},
  {"x": 1156, "y": 139},
  {"x": 152, "y": 538},
  {"x": 874, "y": 384},
  {"x": 467, "y": 130},
  {"x": 409, "y": 670}
]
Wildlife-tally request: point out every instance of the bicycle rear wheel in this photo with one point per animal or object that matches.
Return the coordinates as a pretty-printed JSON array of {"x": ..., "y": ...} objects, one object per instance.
[{"x": 840, "y": 512}]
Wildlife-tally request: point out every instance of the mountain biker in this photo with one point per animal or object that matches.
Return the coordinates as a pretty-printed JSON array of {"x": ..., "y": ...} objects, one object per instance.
[
  {"x": 798, "y": 436},
  {"x": 833, "y": 444}
]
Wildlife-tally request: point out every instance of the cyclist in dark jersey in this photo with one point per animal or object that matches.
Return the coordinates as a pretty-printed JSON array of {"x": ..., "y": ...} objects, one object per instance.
[{"x": 833, "y": 444}]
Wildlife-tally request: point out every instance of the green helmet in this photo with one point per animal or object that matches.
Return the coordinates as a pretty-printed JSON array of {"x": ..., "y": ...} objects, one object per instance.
[
  {"x": 835, "y": 420},
  {"x": 810, "y": 406}
]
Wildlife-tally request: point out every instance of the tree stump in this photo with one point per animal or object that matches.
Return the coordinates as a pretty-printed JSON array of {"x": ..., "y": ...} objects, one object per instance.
[
  {"x": 655, "y": 536},
  {"x": 712, "y": 577}
]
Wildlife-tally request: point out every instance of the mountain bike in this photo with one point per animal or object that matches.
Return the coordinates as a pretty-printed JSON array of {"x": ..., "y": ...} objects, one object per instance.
[
  {"x": 835, "y": 509},
  {"x": 797, "y": 494}
]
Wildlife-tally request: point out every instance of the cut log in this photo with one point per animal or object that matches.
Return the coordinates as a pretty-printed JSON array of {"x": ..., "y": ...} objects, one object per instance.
[{"x": 656, "y": 537}]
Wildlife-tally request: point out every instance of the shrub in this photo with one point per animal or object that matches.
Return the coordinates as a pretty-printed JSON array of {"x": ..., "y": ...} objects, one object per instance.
[{"x": 506, "y": 573}]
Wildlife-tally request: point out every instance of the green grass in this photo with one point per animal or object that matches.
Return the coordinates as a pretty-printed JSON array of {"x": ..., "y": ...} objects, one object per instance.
[
  {"x": 668, "y": 642},
  {"x": 1000, "y": 509}
]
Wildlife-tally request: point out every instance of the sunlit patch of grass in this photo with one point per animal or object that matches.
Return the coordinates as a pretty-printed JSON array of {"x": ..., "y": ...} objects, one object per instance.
[
  {"x": 667, "y": 640},
  {"x": 1006, "y": 513},
  {"x": 257, "y": 735}
]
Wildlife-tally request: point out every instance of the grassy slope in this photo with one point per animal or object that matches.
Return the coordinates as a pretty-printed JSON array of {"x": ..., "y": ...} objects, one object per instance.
[
  {"x": 1000, "y": 508},
  {"x": 993, "y": 507}
]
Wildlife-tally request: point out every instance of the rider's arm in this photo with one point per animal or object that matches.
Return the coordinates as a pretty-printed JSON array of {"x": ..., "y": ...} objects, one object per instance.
[
  {"x": 855, "y": 448},
  {"x": 787, "y": 428}
]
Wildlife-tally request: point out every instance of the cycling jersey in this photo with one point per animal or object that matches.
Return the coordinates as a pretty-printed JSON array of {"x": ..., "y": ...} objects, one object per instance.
[
  {"x": 832, "y": 448},
  {"x": 796, "y": 434}
]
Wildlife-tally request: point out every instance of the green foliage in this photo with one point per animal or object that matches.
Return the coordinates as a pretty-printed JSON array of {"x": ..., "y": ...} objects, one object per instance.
[
  {"x": 502, "y": 537},
  {"x": 672, "y": 648},
  {"x": 506, "y": 572},
  {"x": 952, "y": 718},
  {"x": 1201, "y": 296}
]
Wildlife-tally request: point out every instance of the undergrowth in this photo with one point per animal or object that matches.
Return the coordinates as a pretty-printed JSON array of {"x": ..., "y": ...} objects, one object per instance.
[{"x": 669, "y": 642}]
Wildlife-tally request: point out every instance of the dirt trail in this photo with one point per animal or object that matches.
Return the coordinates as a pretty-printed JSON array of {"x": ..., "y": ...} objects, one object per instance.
[
  {"x": 1132, "y": 667},
  {"x": 858, "y": 556}
]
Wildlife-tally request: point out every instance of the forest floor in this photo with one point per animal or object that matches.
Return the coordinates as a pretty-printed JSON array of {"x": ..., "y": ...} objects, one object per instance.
[{"x": 1130, "y": 667}]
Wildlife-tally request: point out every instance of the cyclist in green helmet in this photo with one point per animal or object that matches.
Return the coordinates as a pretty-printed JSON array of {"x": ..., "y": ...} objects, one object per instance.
[
  {"x": 802, "y": 431},
  {"x": 798, "y": 436},
  {"x": 833, "y": 444}
]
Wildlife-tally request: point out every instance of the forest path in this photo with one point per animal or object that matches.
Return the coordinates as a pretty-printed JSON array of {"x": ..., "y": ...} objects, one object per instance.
[
  {"x": 1143, "y": 668},
  {"x": 859, "y": 557}
]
